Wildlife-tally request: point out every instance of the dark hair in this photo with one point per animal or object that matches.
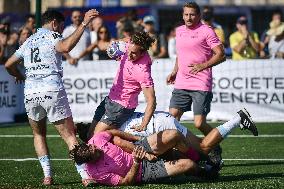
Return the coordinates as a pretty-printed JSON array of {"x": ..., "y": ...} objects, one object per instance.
[
  {"x": 279, "y": 12},
  {"x": 142, "y": 39},
  {"x": 132, "y": 14},
  {"x": 81, "y": 153},
  {"x": 208, "y": 9},
  {"x": 107, "y": 30},
  {"x": 51, "y": 15},
  {"x": 193, "y": 5},
  {"x": 29, "y": 16},
  {"x": 128, "y": 27}
]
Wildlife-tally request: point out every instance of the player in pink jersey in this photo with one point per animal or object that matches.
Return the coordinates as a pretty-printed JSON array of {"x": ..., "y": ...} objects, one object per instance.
[
  {"x": 133, "y": 76},
  {"x": 198, "y": 50},
  {"x": 110, "y": 164}
]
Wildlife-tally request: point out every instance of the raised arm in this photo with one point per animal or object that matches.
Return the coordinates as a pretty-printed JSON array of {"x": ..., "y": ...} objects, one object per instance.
[{"x": 68, "y": 44}]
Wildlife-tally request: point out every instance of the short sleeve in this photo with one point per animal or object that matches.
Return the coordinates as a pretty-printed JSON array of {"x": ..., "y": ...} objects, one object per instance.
[
  {"x": 110, "y": 179},
  {"x": 56, "y": 37},
  {"x": 212, "y": 39}
]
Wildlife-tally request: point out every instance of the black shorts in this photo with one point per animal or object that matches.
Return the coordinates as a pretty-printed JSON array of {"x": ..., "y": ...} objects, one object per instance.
[
  {"x": 152, "y": 171},
  {"x": 183, "y": 99},
  {"x": 112, "y": 113}
]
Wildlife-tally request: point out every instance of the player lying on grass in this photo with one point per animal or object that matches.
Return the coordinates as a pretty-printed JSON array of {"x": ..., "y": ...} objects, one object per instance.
[
  {"x": 110, "y": 165},
  {"x": 162, "y": 121}
]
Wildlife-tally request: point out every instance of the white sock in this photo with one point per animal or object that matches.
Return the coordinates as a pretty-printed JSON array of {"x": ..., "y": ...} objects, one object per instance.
[
  {"x": 81, "y": 169},
  {"x": 227, "y": 127},
  {"x": 45, "y": 164}
]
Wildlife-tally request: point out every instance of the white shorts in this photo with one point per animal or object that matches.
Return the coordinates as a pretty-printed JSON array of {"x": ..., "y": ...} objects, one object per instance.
[
  {"x": 165, "y": 121},
  {"x": 53, "y": 105},
  {"x": 159, "y": 122}
]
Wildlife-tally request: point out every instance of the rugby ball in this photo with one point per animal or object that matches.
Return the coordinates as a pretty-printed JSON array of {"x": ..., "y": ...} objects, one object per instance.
[{"x": 116, "y": 49}]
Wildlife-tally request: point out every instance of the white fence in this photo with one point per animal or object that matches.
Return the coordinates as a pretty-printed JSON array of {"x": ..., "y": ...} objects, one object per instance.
[{"x": 257, "y": 85}]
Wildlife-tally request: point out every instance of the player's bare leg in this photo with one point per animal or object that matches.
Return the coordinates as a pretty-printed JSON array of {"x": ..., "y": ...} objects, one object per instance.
[
  {"x": 176, "y": 113},
  {"x": 41, "y": 148},
  {"x": 201, "y": 124}
]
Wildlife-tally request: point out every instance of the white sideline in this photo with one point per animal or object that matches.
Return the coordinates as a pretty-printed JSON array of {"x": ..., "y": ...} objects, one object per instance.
[
  {"x": 35, "y": 159},
  {"x": 230, "y": 136}
]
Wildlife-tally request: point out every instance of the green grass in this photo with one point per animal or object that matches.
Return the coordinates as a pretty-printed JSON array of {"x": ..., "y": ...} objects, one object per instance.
[{"x": 235, "y": 174}]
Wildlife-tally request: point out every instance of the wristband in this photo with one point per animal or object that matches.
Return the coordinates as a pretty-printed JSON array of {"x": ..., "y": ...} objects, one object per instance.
[{"x": 84, "y": 24}]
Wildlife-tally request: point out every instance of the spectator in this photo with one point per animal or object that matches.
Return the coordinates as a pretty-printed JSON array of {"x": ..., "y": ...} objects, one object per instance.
[
  {"x": 265, "y": 37},
  {"x": 100, "y": 46},
  {"x": 84, "y": 41},
  {"x": 30, "y": 22},
  {"x": 159, "y": 48},
  {"x": 6, "y": 50},
  {"x": 94, "y": 27},
  {"x": 136, "y": 22},
  {"x": 13, "y": 38},
  {"x": 127, "y": 31},
  {"x": 5, "y": 24},
  {"x": 172, "y": 43},
  {"x": 276, "y": 40},
  {"x": 208, "y": 18},
  {"x": 244, "y": 43},
  {"x": 131, "y": 18},
  {"x": 24, "y": 34}
]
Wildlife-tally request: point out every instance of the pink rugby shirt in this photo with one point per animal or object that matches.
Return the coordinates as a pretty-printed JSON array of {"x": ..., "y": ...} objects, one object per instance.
[
  {"x": 194, "y": 46},
  {"x": 130, "y": 79},
  {"x": 113, "y": 164}
]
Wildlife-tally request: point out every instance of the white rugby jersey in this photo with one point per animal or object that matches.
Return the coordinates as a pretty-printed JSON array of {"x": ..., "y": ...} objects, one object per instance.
[
  {"x": 42, "y": 62},
  {"x": 160, "y": 121}
]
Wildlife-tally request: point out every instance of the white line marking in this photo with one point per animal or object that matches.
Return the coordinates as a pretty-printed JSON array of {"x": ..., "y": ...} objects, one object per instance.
[
  {"x": 251, "y": 136},
  {"x": 230, "y": 136},
  {"x": 35, "y": 159},
  {"x": 253, "y": 159}
]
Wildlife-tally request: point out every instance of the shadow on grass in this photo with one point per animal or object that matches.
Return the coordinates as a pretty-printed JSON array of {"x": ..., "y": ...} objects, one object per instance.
[
  {"x": 243, "y": 177},
  {"x": 225, "y": 178},
  {"x": 247, "y": 164}
]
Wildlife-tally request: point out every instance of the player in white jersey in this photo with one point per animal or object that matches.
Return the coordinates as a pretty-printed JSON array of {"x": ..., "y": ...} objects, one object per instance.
[
  {"x": 45, "y": 96},
  {"x": 104, "y": 153},
  {"x": 162, "y": 121},
  {"x": 159, "y": 122}
]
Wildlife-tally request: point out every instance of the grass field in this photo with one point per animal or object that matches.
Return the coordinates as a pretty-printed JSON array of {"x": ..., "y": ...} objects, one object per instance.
[{"x": 250, "y": 162}]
